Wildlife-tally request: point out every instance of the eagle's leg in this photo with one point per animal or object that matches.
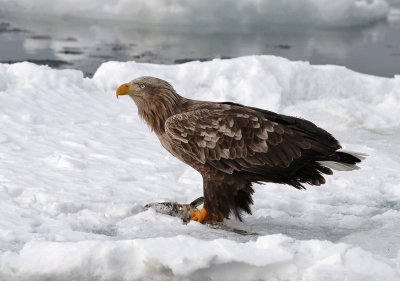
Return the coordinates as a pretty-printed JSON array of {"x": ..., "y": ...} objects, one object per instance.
[{"x": 218, "y": 218}]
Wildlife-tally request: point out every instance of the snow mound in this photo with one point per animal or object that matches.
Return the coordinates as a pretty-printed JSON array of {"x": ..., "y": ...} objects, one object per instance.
[
  {"x": 77, "y": 166},
  {"x": 308, "y": 12},
  {"x": 371, "y": 102},
  {"x": 274, "y": 257}
]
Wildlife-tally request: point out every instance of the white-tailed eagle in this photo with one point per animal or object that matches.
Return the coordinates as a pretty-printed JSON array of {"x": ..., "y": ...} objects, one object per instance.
[{"x": 233, "y": 146}]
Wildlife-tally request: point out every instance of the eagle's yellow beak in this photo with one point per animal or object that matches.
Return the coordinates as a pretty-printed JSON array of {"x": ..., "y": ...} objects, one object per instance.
[{"x": 123, "y": 89}]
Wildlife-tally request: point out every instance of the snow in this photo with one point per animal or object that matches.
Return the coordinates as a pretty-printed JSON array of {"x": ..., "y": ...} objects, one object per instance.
[
  {"x": 307, "y": 12},
  {"x": 77, "y": 166}
]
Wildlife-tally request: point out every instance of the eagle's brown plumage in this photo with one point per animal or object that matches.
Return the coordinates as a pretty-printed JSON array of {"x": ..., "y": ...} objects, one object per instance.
[{"x": 233, "y": 146}]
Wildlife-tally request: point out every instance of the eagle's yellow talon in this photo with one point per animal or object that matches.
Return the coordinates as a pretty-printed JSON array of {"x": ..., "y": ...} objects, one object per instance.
[
  {"x": 202, "y": 215},
  {"x": 199, "y": 216}
]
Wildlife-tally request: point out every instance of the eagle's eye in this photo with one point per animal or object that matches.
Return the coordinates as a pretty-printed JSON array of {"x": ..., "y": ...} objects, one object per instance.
[{"x": 142, "y": 86}]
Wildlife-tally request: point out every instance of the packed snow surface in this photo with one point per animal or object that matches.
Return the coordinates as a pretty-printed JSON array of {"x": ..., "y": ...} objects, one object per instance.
[
  {"x": 77, "y": 166},
  {"x": 308, "y": 12}
]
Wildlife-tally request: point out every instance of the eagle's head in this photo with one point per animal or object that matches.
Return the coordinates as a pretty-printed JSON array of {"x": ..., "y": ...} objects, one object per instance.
[
  {"x": 145, "y": 87},
  {"x": 155, "y": 98}
]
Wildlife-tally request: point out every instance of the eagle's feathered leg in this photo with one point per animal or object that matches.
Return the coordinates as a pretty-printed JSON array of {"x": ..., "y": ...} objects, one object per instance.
[{"x": 230, "y": 193}]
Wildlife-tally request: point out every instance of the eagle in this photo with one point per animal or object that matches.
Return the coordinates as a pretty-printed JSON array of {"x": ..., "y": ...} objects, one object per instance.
[{"x": 234, "y": 146}]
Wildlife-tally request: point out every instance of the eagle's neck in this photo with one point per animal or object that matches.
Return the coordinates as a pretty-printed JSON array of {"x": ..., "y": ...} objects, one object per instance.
[{"x": 156, "y": 112}]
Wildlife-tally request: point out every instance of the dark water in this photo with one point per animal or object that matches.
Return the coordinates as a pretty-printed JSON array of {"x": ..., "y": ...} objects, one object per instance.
[{"x": 84, "y": 45}]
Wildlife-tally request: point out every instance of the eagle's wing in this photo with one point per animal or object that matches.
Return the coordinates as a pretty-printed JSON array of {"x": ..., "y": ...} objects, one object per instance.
[{"x": 236, "y": 138}]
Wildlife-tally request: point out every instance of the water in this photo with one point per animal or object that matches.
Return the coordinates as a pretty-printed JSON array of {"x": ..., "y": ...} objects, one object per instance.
[{"x": 85, "y": 44}]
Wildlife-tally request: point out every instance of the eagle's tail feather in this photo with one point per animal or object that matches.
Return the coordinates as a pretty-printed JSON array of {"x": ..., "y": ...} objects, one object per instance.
[
  {"x": 338, "y": 166},
  {"x": 347, "y": 161}
]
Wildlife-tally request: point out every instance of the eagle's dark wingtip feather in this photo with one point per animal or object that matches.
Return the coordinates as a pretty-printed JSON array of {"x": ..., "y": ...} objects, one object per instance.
[{"x": 349, "y": 157}]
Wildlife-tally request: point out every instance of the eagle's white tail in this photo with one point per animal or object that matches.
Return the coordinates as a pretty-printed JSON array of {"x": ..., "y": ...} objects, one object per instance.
[{"x": 344, "y": 165}]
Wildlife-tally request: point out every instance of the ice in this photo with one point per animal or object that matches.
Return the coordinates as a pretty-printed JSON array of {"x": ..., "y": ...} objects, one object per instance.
[
  {"x": 77, "y": 167},
  {"x": 307, "y": 12}
]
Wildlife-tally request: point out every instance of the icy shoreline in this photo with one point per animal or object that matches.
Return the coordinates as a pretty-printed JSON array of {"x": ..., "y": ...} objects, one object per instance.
[{"x": 77, "y": 166}]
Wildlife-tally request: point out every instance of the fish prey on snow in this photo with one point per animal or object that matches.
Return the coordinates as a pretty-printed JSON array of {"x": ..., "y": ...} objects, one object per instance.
[{"x": 233, "y": 146}]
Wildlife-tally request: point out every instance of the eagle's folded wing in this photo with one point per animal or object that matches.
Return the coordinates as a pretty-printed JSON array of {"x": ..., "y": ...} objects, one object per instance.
[{"x": 236, "y": 138}]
